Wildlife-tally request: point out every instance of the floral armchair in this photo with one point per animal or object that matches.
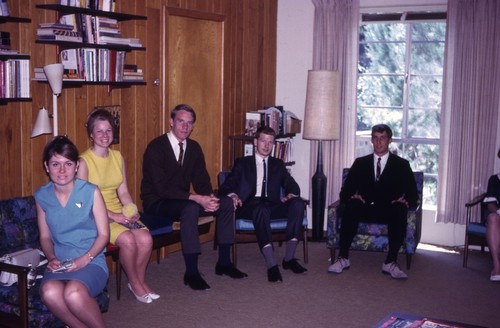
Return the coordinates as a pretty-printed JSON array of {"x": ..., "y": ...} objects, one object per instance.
[{"x": 373, "y": 236}]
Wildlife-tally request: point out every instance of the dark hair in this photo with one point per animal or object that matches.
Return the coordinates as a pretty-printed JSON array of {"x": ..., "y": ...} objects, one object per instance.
[
  {"x": 381, "y": 128},
  {"x": 185, "y": 107},
  {"x": 60, "y": 145},
  {"x": 265, "y": 130},
  {"x": 99, "y": 115}
]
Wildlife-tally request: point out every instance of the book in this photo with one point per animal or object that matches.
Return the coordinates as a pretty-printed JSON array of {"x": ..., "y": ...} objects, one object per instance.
[
  {"x": 60, "y": 38},
  {"x": 59, "y": 26},
  {"x": 4, "y": 7},
  {"x": 52, "y": 31},
  {"x": 252, "y": 123}
]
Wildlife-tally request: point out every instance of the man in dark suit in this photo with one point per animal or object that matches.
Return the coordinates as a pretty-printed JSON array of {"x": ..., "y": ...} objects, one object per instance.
[
  {"x": 172, "y": 164},
  {"x": 380, "y": 187},
  {"x": 253, "y": 190}
]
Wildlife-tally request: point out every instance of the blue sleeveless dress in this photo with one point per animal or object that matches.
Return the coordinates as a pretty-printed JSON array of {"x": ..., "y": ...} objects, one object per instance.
[{"x": 73, "y": 232}]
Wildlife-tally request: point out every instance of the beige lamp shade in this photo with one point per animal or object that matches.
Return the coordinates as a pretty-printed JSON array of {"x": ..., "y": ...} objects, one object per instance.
[
  {"x": 322, "y": 112},
  {"x": 42, "y": 123},
  {"x": 54, "y": 74}
]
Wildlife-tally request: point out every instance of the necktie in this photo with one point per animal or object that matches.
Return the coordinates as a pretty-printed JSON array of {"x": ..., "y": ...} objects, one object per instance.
[
  {"x": 378, "y": 170},
  {"x": 181, "y": 153},
  {"x": 263, "y": 193}
]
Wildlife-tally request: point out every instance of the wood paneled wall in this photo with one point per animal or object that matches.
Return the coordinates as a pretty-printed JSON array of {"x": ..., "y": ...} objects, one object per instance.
[{"x": 249, "y": 82}]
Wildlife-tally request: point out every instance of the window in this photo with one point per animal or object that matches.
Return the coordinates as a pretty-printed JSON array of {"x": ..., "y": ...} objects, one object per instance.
[{"x": 400, "y": 79}]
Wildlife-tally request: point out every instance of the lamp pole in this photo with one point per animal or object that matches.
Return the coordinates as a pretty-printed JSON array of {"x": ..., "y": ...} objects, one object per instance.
[{"x": 318, "y": 197}]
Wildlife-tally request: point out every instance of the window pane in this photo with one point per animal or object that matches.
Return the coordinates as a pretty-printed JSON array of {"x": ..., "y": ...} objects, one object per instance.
[
  {"x": 368, "y": 117},
  {"x": 422, "y": 157},
  {"x": 383, "y": 32},
  {"x": 425, "y": 92},
  {"x": 423, "y": 123},
  {"x": 429, "y": 31},
  {"x": 380, "y": 90},
  {"x": 427, "y": 58},
  {"x": 382, "y": 58}
]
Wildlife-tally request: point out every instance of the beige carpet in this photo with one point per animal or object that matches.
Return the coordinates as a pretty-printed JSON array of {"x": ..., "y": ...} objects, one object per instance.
[{"x": 438, "y": 287}]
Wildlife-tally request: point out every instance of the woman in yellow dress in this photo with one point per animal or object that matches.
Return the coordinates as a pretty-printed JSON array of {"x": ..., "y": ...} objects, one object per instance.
[{"x": 105, "y": 167}]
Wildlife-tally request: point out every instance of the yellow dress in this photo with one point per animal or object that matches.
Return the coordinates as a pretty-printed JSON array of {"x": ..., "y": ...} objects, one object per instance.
[{"x": 107, "y": 174}]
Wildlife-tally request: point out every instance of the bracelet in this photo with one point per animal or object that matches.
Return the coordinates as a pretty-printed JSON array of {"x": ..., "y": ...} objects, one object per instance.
[{"x": 90, "y": 256}]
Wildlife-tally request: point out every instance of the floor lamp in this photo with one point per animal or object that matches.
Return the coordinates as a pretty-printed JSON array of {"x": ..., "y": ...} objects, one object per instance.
[
  {"x": 54, "y": 74},
  {"x": 321, "y": 123}
]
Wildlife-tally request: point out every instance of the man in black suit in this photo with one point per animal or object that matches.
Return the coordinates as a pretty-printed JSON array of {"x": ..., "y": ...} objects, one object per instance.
[
  {"x": 380, "y": 187},
  {"x": 253, "y": 190},
  {"x": 172, "y": 164}
]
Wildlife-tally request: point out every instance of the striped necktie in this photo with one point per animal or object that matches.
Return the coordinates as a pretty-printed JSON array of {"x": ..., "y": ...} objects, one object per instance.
[{"x": 181, "y": 153}]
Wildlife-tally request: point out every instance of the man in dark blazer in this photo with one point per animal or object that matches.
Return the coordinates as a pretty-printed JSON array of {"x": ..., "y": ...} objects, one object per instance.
[
  {"x": 253, "y": 190},
  {"x": 172, "y": 164},
  {"x": 380, "y": 187}
]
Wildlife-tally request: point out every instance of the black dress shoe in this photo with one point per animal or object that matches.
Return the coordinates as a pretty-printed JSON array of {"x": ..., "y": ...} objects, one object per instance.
[
  {"x": 274, "y": 274},
  {"x": 196, "y": 282},
  {"x": 294, "y": 266},
  {"x": 229, "y": 270}
]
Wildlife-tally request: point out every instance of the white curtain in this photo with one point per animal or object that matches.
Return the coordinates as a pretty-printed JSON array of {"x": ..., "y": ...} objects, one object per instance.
[
  {"x": 335, "y": 48},
  {"x": 471, "y": 103}
]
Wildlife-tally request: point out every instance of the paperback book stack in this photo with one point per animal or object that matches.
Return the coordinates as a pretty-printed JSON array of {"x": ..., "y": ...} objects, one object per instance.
[
  {"x": 58, "y": 32},
  {"x": 132, "y": 73},
  {"x": 104, "y": 5}
]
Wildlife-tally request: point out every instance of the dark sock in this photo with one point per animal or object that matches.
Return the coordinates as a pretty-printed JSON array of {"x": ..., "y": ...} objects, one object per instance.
[
  {"x": 268, "y": 253},
  {"x": 291, "y": 246},
  {"x": 191, "y": 261},
  {"x": 224, "y": 254}
]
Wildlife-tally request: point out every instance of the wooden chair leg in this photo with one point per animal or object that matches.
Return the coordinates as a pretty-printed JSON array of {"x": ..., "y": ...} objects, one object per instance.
[
  {"x": 466, "y": 251},
  {"x": 118, "y": 278},
  {"x": 408, "y": 261},
  {"x": 305, "y": 247},
  {"x": 235, "y": 253}
]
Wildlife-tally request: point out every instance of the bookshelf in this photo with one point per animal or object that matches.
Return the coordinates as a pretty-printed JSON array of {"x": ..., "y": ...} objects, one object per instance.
[
  {"x": 243, "y": 140},
  {"x": 14, "y": 70},
  {"x": 96, "y": 62}
]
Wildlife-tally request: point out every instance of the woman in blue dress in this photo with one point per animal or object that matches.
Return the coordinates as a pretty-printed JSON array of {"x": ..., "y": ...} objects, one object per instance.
[{"x": 73, "y": 225}]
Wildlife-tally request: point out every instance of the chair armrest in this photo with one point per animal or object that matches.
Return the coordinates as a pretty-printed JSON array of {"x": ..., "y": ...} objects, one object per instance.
[
  {"x": 334, "y": 204},
  {"x": 22, "y": 287},
  {"x": 476, "y": 200}
]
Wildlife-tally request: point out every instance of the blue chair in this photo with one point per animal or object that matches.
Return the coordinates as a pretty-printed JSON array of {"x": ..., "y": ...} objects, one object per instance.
[
  {"x": 374, "y": 236},
  {"x": 475, "y": 231},
  {"x": 245, "y": 231}
]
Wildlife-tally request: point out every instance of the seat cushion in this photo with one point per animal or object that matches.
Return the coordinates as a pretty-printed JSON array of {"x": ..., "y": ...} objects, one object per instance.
[
  {"x": 476, "y": 229},
  {"x": 276, "y": 224}
]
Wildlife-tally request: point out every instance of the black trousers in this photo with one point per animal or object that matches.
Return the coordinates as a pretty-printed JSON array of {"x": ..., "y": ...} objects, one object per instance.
[
  {"x": 188, "y": 212},
  {"x": 394, "y": 215},
  {"x": 261, "y": 212}
]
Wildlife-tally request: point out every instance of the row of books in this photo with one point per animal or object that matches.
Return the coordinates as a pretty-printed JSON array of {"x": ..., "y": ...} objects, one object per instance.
[
  {"x": 95, "y": 65},
  {"x": 91, "y": 29},
  {"x": 282, "y": 149},
  {"x": 282, "y": 122},
  {"x": 15, "y": 78},
  {"x": 104, "y": 5},
  {"x": 4, "y": 8}
]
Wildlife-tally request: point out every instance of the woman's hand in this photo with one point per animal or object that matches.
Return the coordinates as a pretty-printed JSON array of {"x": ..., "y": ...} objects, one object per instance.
[{"x": 53, "y": 264}]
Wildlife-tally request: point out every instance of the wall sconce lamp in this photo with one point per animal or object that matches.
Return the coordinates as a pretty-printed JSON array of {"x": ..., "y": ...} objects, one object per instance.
[
  {"x": 54, "y": 74},
  {"x": 321, "y": 122}
]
